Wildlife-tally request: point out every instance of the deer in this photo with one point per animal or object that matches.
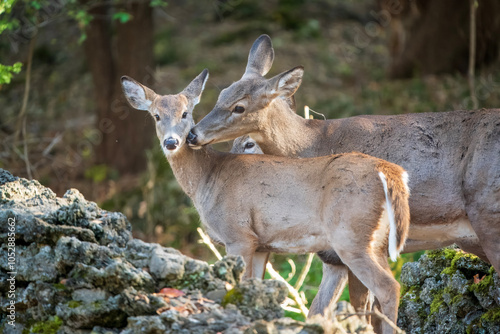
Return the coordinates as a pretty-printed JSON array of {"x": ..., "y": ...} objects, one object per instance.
[
  {"x": 245, "y": 145},
  {"x": 351, "y": 203},
  {"x": 453, "y": 158}
]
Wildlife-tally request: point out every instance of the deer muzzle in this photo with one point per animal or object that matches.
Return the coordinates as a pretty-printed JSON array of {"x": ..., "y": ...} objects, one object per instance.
[
  {"x": 171, "y": 143},
  {"x": 192, "y": 138}
]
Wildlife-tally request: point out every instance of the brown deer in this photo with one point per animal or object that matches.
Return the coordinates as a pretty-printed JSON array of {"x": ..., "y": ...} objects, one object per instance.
[
  {"x": 352, "y": 203},
  {"x": 453, "y": 159}
]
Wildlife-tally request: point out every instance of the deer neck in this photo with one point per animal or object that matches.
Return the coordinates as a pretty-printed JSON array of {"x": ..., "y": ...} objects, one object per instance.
[
  {"x": 191, "y": 167},
  {"x": 283, "y": 132}
]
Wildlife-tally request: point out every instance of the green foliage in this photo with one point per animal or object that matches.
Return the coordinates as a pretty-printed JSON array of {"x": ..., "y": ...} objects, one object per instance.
[
  {"x": 99, "y": 173},
  {"x": 123, "y": 17},
  {"x": 50, "y": 326},
  {"x": 6, "y": 72},
  {"x": 6, "y": 6},
  {"x": 158, "y": 3}
]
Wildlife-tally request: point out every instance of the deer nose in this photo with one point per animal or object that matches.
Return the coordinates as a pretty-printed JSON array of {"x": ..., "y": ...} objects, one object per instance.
[
  {"x": 171, "y": 143},
  {"x": 192, "y": 138}
]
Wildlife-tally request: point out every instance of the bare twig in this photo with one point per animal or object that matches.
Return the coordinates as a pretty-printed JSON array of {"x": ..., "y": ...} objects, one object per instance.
[
  {"x": 21, "y": 121},
  {"x": 376, "y": 313},
  {"x": 292, "y": 272},
  {"x": 304, "y": 272},
  {"x": 53, "y": 143},
  {"x": 25, "y": 146},
  {"x": 472, "y": 54},
  {"x": 273, "y": 273},
  {"x": 206, "y": 240},
  {"x": 291, "y": 290}
]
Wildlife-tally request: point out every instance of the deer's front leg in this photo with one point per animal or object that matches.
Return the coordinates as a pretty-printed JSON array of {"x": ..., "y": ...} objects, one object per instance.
[
  {"x": 259, "y": 263},
  {"x": 245, "y": 250}
]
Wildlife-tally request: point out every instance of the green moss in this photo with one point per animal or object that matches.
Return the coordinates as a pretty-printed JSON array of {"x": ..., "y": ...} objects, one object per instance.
[
  {"x": 447, "y": 253},
  {"x": 233, "y": 296},
  {"x": 482, "y": 286},
  {"x": 50, "y": 326},
  {"x": 492, "y": 315},
  {"x": 404, "y": 289},
  {"x": 437, "y": 302},
  {"x": 98, "y": 304},
  {"x": 59, "y": 286},
  {"x": 449, "y": 270},
  {"x": 413, "y": 292},
  {"x": 74, "y": 304}
]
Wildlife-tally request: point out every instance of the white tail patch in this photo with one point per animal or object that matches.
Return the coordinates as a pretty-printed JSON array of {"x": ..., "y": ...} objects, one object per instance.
[
  {"x": 404, "y": 176},
  {"x": 393, "y": 251}
]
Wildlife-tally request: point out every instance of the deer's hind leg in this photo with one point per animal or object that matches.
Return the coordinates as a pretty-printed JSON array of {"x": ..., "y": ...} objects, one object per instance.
[
  {"x": 332, "y": 284},
  {"x": 376, "y": 276}
]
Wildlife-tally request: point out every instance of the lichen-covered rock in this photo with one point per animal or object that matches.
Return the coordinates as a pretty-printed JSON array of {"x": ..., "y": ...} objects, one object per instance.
[
  {"x": 449, "y": 291},
  {"x": 76, "y": 269},
  {"x": 258, "y": 299}
]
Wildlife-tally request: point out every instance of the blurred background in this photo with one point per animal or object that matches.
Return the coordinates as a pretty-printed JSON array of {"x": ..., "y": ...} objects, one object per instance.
[{"x": 64, "y": 122}]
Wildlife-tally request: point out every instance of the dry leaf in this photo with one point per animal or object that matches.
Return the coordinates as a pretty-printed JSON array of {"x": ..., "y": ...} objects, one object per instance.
[
  {"x": 477, "y": 280},
  {"x": 162, "y": 309},
  {"x": 142, "y": 297},
  {"x": 170, "y": 292}
]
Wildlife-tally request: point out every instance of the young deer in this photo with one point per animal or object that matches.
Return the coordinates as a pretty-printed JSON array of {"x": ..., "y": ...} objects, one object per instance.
[
  {"x": 352, "y": 203},
  {"x": 453, "y": 158},
  {"x": 245, "y": 145}
]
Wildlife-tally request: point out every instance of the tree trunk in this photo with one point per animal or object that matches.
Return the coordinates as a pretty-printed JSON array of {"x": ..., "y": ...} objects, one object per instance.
[
  {"x": 126, "y": 133},
  {"x": 432, "y": 37}
]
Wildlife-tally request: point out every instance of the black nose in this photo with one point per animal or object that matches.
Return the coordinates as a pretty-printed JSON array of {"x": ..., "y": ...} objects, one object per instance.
[
  {"x": 171, "y": 143},
  {"x": 192, "y": 138}
]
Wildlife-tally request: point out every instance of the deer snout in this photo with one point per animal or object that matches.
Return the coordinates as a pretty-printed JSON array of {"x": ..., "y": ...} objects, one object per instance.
[
  {"x": 171, "y": 143},
  {"x": 192, "y": 138}
]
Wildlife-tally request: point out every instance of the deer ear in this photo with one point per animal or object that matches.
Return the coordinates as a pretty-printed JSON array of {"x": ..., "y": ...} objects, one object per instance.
[
  {"x": 261, "y": 56},
  {"x": 139, "y": 96},
  {"x": 287, "y": 83},
  {"x": 195, "y": 88}
]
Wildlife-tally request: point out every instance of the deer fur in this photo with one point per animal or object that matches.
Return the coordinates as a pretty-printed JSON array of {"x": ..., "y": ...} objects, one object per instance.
[{"x": 261, "y": 203}]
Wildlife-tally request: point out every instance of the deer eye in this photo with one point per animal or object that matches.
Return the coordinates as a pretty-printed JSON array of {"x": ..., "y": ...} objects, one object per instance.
[
  {"x": 157, "y": 117},
  {"x": 184, "y": 115},
  {"x": 249, "y": 145},
  {"x": 239, "y": 109}
]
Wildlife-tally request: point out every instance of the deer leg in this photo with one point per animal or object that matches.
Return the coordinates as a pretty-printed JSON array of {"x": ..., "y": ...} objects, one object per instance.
[
  {"x": 259, "y": 262},
  {"x": 246, "y": 251},
  {"x": 374, "y": 274},
  {"x": 487, "y": 227},
  {"x": 332, "y": 284},
  {"x": 360, "y": 296}
]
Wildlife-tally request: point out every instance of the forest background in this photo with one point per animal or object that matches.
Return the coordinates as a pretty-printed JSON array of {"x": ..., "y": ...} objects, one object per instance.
[{"x": 64, "y": 121}]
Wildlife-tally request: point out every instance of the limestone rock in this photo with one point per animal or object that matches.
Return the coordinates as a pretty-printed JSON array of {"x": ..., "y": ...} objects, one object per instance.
[{"x": 449, "y": 291}]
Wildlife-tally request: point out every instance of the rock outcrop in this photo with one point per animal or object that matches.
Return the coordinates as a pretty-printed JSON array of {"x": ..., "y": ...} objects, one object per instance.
[
  {"x": 449, "y": 291},
  {"x": 68, "y": 266}
]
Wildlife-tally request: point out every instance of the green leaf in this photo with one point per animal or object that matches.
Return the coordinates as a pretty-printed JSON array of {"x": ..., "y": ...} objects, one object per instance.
[
  {"x": 7, "y": 72},
  {"x": 123, "y": 17},
  {"x": 158, "y": 3},
  {"x": 6, "y": 6},
  {"x": 37, "y": 5}
]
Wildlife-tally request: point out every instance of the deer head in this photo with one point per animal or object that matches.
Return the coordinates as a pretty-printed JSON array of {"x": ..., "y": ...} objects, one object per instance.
[
  {"x": 173, "y": 114},
  {"x": 242, "y": 107}
]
